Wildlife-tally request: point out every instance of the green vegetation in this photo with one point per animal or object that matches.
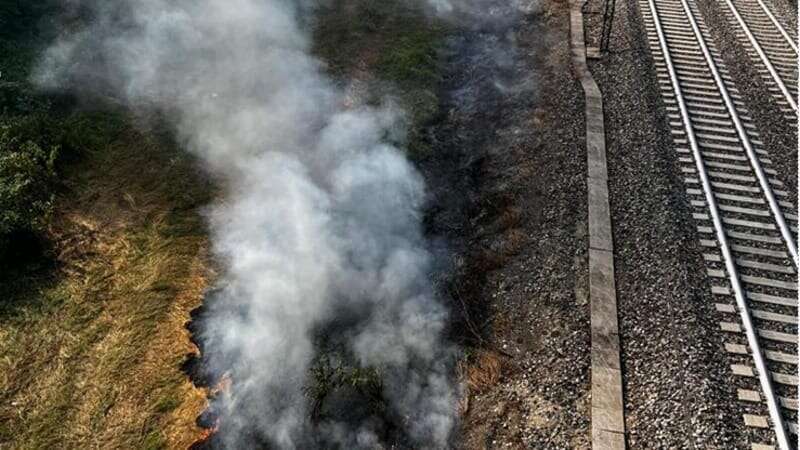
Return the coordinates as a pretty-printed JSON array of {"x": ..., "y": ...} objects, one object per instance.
[
  {"x": 27, "y": 160},
  {"x": 395, "y": 41},
  {"x": 22, "y": 36},
  {"x": 395, "y": 38},
  {"x": 391, "y": 48},
  {"x": 411, "y": 59},
  {"x": 26, "y": 195},
  {"x": 20, "y": 17},
  {"x": 330, "y": 373}
]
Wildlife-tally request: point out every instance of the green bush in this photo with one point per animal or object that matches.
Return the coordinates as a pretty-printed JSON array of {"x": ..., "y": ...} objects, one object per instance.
[
  {"x": 411, "y": 58},
  {"x": 330, "y": 372},
  {"x": 34, "y": 148},
  {"x": 26, "y": 184},
  {"x": 26, "y": 28}
]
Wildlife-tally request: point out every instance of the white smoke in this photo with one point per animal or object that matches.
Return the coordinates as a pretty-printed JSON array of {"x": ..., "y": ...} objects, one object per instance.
[
  {"x": 321, "y": 217},
  {"x": 482, "y": 13}
]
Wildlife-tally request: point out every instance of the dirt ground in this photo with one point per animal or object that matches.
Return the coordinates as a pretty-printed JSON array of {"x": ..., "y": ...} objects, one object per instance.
[{"x": 508, "y": 182}]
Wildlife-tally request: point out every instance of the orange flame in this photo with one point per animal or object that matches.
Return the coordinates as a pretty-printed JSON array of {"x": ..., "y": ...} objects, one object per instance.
[
  {"x": 206, "y": 435},
  {"x": 223, "y": 386}
]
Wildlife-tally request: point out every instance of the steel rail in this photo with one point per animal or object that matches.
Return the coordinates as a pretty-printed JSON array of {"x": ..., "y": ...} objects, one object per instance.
[
  {"x": 770, "y": 68},
  {"x": 752, "y": 339},
  {"x": 745, "y": 140},
  {"x": 778, "y": 26}
]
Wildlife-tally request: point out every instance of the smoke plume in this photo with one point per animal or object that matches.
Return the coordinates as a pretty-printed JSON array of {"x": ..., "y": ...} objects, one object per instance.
[{"x": 319, "y": 231}]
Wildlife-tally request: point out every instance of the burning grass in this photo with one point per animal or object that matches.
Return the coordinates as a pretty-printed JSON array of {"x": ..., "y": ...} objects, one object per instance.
[{"x": 93, "y": 342}]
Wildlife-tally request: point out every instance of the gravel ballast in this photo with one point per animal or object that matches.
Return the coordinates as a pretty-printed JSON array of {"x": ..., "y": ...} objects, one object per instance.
[{"x": 678, "y": 387}]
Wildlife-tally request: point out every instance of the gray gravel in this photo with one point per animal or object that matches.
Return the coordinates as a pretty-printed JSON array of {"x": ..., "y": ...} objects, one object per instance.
[{"x": 678, "y": 389}]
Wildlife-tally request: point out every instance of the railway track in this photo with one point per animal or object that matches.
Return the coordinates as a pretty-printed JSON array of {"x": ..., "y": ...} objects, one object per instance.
[
  {"x": 743, "y": 214},
  {"x": 771, "y": 46}
]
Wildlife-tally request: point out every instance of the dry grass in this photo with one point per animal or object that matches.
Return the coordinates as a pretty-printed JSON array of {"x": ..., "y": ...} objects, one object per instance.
[
  {"x": 91, "y": 350},
  {"x": 483, "y": 371},
  {"x": 477, "y": 373}
]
